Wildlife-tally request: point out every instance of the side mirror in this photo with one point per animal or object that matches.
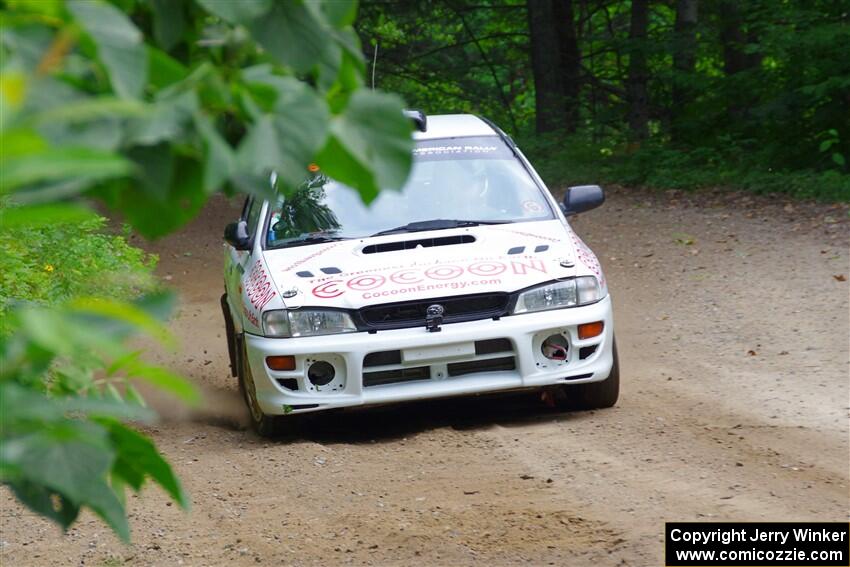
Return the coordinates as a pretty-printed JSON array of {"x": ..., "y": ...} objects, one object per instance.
[
  {"x": 582, "y": 198},
  {"x": 236, "y": 234}
]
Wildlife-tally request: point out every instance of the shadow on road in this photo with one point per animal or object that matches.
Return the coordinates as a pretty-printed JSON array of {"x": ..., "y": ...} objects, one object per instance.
[{"x": 388, "y": 423}]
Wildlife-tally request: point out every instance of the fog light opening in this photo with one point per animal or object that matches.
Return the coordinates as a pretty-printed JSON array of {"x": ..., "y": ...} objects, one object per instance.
[
  {"x": 321, "y": 373},
  {"x": 555, "y": 347},
  {"x": 590, "y": 330}
]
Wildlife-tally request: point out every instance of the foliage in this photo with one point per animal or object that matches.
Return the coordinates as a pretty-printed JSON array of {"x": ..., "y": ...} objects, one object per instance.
[
  {"x": 61, "y": 405},
  {"x": 577, "y": 159},
  {"x": 151, "y": 107},
  {"x": 52, "y": 264},
  {"x": 766, "y": 104}
]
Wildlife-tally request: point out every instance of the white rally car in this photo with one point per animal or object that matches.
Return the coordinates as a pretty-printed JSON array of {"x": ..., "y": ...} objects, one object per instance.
[{"x": 468, "y": 280}]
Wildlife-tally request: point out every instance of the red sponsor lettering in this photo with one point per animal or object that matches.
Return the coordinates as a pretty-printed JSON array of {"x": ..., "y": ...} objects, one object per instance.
[
  {"x": 406, "y": 277},
  {"x": 259, "y": 289},
  {"x": 521, "y": 268},
  {"x": 364, "y": 283},
  {"x": 410, "y": 279},
  {"x": 443, "y": 272},
  {"x": 328, "y": 290},
  {"x": 487, "y": 268}
]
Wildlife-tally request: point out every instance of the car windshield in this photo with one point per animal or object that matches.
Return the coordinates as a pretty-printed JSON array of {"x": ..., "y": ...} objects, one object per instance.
[{"x": 454, "y": 182}]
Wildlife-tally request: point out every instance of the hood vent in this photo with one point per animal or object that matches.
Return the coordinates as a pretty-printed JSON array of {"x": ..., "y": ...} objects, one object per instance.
[{"x": 423, "y": 242}]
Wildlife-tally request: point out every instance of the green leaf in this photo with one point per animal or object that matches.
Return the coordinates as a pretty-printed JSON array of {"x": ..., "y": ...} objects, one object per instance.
[
  {"x": 38, "y": 216},
  {"x": 20, "y": 404},
  {"x": 119, "y": 488},
  {"x": 161, "y": 377},
  {"x": 340, "y": 12},
  {"x": 287, "y": 140},
  {"x": 113, "y": 394},
  {"x": 218, "y": 155},
  {"x": 45, "y": 502},
  {"x": 137, "y": 457},
  {"x": 370, "y": 147},
  {"x": 825, "y": 145},
  {"x": 838, "y": 159},
  {"x": 119, "y": 44},
  {"x": 20, "y": 142},
  {"x": 134, "y": 396},
  {"x": 168, "y": 22},
  {"x": 240, "y": 12},
  {"x": 170, "y": 114},
  {"x": 93, "y": 108},
  {"x": 164, "y": 70},
  {"x": 157, "y": 215},
  {"x": 155, "y": 164},
  {"x": 58, "y": 164},
  {"x": 125, "y": 312},
  {"x": 58, "y": 332},
  {"x": 71, "y": 459},
  {"x": 295, "y": 35}
]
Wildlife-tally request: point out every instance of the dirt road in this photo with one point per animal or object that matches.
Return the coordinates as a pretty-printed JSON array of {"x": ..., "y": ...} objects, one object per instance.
[{"x": 733, "y": 335}]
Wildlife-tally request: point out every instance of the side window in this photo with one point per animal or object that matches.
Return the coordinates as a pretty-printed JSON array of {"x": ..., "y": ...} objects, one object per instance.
[{"x": 252, "y": 214}]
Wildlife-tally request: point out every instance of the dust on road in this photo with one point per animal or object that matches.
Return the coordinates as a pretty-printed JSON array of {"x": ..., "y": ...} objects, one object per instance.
[{"x": 733, "y": 335}]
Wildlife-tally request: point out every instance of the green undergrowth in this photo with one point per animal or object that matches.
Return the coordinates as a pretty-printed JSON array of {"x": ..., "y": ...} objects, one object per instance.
[
  {"x": 52, "y": 264},
  {"x": 575, "y": 161}
]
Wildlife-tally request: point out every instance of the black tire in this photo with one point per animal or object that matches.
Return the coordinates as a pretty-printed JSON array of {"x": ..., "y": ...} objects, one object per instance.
[
  {"x": 595, "y": 395},
  {"x": 265, "y": 425},
  {"x": 230, "y": 334}
]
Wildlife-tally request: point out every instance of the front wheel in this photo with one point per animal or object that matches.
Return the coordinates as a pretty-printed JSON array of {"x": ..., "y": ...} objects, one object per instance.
[
  {"x": 265, "y": 425},
  {"x": 595, "y": 395}
]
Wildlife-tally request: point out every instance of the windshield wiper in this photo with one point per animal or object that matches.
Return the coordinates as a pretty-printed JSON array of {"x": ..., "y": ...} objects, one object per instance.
[
  {"x": 312, "y": 239},
  {"x": 436, "y": 224}
]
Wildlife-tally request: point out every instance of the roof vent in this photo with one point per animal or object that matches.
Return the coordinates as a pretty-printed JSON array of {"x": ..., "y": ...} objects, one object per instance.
[
  {"x": 419, "y": 119},
  {"x": 413, "y": 244}
]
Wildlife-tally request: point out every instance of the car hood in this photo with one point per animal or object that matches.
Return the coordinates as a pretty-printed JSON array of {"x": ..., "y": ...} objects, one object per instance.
[{"x": 351, "y": 274}]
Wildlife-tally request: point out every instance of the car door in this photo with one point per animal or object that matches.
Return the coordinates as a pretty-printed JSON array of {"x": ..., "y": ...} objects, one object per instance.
[{"x": 237, "y": 262}]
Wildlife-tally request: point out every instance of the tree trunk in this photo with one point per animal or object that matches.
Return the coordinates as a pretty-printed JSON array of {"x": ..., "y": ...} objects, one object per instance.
[
  {"x": 636, "y": 91},
  {"x": 555, "y": 63},
  {"x": 545, "y": 65},
  {"x": 735, "y": 59},
  {"x": 684, "y": 57},
  {"x": 570, "y": 56}
]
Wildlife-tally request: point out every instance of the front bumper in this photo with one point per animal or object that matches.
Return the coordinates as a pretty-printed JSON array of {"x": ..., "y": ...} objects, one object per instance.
[{"x": 414, "y": 364}]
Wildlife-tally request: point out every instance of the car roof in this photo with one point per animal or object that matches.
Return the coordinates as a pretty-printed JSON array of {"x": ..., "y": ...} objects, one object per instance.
[{"x": 454, "y": 126}]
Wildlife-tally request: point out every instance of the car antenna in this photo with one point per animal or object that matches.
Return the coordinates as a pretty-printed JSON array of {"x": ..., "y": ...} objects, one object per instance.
[{"x": 374, "y": 62}]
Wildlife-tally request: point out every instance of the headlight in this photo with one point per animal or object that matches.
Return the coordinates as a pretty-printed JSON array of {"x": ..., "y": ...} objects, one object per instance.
[
  {"x": 306, "y": 322},
  {"x": 558, "y": 295}
]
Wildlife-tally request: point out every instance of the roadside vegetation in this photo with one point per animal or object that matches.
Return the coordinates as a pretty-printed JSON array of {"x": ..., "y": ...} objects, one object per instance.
[
  {"x": 669, "y": 94},
  {"x": 149, "y": 108},
  {"x": 53, "y": 264}
]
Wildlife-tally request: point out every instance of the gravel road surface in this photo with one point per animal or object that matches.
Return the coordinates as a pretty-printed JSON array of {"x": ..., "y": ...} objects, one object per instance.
[{"x": 732, "y": 322}]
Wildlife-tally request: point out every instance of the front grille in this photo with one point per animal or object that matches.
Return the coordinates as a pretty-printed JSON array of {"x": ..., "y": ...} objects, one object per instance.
[
  {"x": 396, "y": 375},
  {"x": 489, "y": 365},
  {"x": 386, "y": 367},
  {"x": 382, "y": 358},
  {"x": 412, "y": 313},
  {"x": 493, "y": 345}
]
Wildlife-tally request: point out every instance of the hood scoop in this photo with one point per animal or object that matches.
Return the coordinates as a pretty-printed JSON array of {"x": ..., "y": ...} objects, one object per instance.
[{"x": 418, "y": 243}]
